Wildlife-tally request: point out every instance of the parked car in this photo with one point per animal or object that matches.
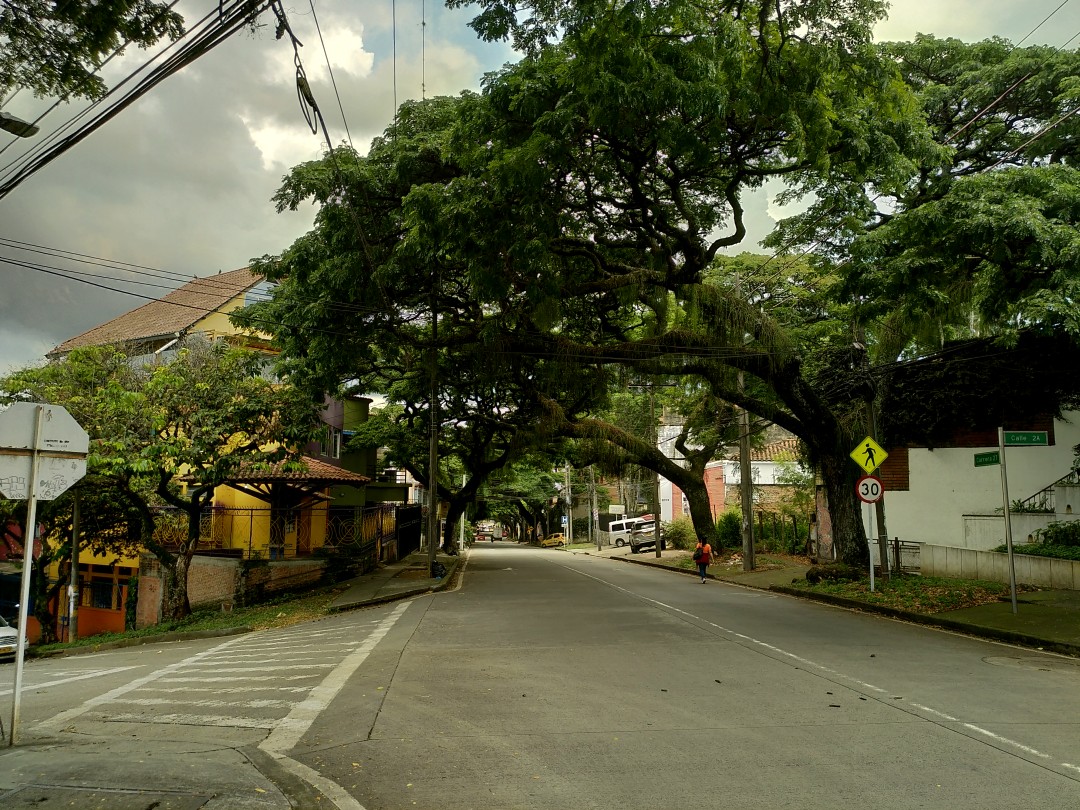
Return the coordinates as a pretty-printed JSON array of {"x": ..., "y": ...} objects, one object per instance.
[
  {"x": 643, "y": 537},
  {"x": 620, "y": 530},
  {"x": 557, "y": 539},
  {"x": 9, "y": 640}
]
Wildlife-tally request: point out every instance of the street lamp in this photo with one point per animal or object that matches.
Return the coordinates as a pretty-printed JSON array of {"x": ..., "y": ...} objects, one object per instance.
[{"x": 16, "y": 126}]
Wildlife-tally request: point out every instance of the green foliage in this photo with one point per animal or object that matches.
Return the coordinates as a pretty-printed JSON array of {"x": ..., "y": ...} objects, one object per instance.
[
  {"x": 209, "y": 414},
  {"x": 918, "y": 594},
  {"x": 729, "y": 530},
  {"x": 680, "y": 534},
  {"x": 1042, "y": 550},
  {"x": 55, "y": 48},
  {"x": 1033, "y": 508},
  {"x": 131, "y": 604},
  {"x": 1062, "y": 533},
  {"x": 977, "y": 385},
  {"x": 1058, "y": 552},
  {"x": 569, "y": 220},
  {"x": 1060, "y": 540}
]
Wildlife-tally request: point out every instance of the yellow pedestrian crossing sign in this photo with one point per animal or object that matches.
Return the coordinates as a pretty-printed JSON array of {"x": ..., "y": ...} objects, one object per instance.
[{"x": 869, "y": 455}]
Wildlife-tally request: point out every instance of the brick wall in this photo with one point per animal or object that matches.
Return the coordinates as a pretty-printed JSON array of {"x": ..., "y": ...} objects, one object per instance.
[
  {"x": 218, "y": 580},
  {"x": 895, "y": 471},
  {"x": 212, "y": 579},
  {"x": 148, "y": 608},
  {"x": 767, "y": 498}
]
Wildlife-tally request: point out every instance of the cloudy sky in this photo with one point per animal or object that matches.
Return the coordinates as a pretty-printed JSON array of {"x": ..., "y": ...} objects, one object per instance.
[{"x": 179, "y": 184}]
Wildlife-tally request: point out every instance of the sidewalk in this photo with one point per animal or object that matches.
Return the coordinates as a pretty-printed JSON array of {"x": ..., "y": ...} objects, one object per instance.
[
  {"x": 89, "y": 765},
  {"x": 1045, "y": 620},
  {"x": 400, "y": 580}
]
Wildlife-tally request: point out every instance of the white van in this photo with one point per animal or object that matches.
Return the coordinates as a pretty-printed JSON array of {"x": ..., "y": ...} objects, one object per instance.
[{"x": 620, "y": 530}]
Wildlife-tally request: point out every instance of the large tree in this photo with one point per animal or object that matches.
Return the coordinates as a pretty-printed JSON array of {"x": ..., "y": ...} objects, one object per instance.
[
  {"x": 980, "y": 237},
  {"x": 577, "y": 207}
]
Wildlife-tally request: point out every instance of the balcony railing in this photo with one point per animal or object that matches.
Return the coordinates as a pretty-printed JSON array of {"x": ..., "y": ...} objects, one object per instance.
[{"x": 281, "y": 534}]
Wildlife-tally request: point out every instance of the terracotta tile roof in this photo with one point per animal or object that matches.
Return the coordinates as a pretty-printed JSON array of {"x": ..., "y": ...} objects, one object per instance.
[
  {"x": 317, "y": 471},
  {"x": 782, "y": 450},
  {"x": 176, "y": 312}
]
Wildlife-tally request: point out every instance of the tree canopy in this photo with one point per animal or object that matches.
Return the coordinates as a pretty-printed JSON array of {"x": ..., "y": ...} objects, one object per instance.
[
  {"x": 55, "y": 48},
  {"x": 571, "y": 220},
  {"x": 169, "y": 434}
]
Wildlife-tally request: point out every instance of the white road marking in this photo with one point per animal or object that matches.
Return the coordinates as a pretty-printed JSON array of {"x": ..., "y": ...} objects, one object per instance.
[
  {"x": 60, "y": 720},
  {"x": 97, "y": 673},
  {"x": 218, "y": 690},
  {"x": 273, "y": 678},
  {"x": 807, "y": 662},
  {"x": 289, "y": 730},
  {"x": 272, "y": 667}
]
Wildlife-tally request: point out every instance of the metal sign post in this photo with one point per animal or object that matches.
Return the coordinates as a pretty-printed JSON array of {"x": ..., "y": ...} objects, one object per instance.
[
  {"x": 42, "y": 454},
  {"x": 1008, "y": 522},
  {"x": 29, "y": 536}
]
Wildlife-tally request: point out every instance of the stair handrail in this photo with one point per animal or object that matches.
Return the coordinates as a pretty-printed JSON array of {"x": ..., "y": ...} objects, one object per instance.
[{"x": 1043, "y": 500}]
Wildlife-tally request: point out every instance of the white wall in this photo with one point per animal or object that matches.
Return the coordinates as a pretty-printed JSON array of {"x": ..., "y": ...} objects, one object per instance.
[{"x": 945, "y": 485}]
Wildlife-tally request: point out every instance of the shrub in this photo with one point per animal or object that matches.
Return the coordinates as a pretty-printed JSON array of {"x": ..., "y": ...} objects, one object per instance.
[
  {"x": 680, "y": 534},
  {"x": 1042, "y": 550},
  {"x": 729, "y": 530},
  {"x": 581, "y": 529},
  {"x": 833, "y": 572},
  {"x": 1062, "y": 534}
]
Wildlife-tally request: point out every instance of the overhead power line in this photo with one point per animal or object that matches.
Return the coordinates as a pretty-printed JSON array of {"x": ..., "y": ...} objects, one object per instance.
[{"x": 211, "y": 31}]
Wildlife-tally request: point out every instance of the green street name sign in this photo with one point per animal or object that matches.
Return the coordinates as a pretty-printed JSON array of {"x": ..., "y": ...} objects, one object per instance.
[
  {"x": 987, "y": 459},
  {"x": 1025, "y": 438}
]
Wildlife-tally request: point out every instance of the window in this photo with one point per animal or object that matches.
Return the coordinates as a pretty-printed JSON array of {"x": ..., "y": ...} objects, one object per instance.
[{"x": 330, "y": 444}]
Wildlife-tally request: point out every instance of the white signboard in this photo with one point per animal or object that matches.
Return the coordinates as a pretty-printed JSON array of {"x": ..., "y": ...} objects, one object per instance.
[
  {"x": 55, "y": 476},
  {"x": 62, "y": 446},
  {"x": 60, "y": 433}
]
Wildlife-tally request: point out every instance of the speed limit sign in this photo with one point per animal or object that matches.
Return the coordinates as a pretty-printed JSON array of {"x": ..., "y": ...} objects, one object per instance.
[{"x": 869, "y": 489}]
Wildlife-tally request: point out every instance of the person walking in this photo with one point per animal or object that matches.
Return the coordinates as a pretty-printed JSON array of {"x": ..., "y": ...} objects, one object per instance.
[{"x": 702, "y": 556}]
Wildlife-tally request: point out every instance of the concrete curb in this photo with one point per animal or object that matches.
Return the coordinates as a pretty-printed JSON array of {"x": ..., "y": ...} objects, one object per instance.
[
  {"x": 138, "y": 641},
  {"x": 652, "y": 564},
  {"x": 977, "y": 631},
  {"x": 405, "y": 594},
  {"x": 993, "y": 633}
]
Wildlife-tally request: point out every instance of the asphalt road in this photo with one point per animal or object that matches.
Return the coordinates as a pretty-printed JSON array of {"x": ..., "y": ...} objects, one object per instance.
[{"x": 550, "y": 680}]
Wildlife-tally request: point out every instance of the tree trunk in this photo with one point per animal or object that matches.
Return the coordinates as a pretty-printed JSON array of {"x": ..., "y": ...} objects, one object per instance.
[
  {"x": 839, "y": 475},
  {"x": 175, "y": 603},
  {"x": 174, "y": 600},
  {"x": 697, "y": 496},
  {"x": 455, "y": 510}
]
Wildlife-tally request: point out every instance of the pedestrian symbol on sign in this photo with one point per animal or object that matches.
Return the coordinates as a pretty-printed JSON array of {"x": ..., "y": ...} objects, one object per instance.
[{"x": 869, "y": 455}]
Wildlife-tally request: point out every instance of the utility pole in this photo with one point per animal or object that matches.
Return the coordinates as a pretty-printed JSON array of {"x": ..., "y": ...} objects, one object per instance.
[
  {"x": 746, "y": 487},
  {"x": 461, "y": 525},
  {"x": 433, "y": 448},
  {"x": 746, "y": 483},
  {"x": 594, "y": 513},
  {"x": 655, "y": 507},
  {"x": 569, "y": 510},
  {"x": 73, "y": 585},
  {"x": 871, "y": 428}
]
